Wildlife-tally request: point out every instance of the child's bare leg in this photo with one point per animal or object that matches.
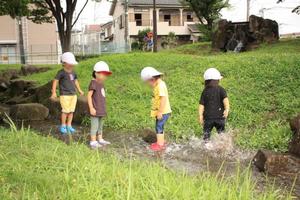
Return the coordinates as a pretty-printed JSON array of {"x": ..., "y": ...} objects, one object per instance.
[
  {"x": 160, "y": 138},
  {"x": 100, "y": 137},
  {"x": 64, "y": 119},
  {"x": 70, "y": 119}
]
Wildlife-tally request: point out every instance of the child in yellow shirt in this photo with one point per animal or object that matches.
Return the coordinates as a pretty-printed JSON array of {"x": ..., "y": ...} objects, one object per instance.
[{"x": 161, "y": 109}]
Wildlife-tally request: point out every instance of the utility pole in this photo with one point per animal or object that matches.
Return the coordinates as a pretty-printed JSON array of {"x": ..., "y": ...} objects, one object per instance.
[
  {"x": 154, "y": 27},
  {"x": 248, "y": 10},
  {"x": 127, "y": 48},
  {"x": 21, "y": 40}
]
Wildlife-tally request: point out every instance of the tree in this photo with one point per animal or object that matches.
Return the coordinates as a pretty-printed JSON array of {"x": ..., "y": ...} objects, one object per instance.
[
  {"x": 207, "y": 11},
  {"x": 295, "y": 10},
  {"x": 64, "y": 18},
  {"x": 43, "y": 11}
]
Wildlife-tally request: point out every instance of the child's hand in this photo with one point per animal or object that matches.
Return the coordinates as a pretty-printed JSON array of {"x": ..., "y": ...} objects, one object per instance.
[
  {"x": 81, "y": 92},
  {"x": 225, "y": 113},
  {"x": 53, "y": 97},
  {"x": 159, "y": 115},
  {"x": 93, "y": 111},
  {"x": 201, "y": 121}
]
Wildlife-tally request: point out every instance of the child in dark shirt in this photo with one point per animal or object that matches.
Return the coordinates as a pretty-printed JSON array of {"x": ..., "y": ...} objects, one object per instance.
[
  {"x": 97, "y": 104},
  {"x": 213, "y": 104}
]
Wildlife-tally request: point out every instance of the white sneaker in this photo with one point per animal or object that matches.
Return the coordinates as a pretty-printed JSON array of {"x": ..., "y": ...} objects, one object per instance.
[
  {"x": 95, "y": 145},
  {"x": 103, "y": 142}
]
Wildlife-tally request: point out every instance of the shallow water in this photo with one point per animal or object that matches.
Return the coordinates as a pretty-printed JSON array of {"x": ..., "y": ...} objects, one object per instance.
[{"x": 194, "y": 156}]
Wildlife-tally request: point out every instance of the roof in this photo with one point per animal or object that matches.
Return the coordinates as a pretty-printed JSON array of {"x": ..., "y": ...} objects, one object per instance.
[
  {"x": 93, "y": 28},
  {"x": 147, "y": 3},
  {"x": 158, "y": 2},
  {"x": 194, "y": 28}
]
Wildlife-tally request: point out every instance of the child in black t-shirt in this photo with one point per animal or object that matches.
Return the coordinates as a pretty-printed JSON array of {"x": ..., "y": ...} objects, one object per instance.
[{"x": 213, "y": 104}]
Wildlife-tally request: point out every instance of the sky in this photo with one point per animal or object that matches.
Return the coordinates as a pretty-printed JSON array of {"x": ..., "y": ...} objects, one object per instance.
[{"x": 98, "y": 13}]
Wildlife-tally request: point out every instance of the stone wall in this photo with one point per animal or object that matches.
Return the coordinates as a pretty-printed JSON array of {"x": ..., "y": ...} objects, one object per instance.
[{"x": 241, "y": 36}]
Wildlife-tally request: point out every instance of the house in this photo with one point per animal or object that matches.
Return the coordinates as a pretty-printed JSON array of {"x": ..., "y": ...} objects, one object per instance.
[
  {"x": 171, "y": 14},
  {"x": 107, "y": 31},
  {"x": 40, "y": 42}
]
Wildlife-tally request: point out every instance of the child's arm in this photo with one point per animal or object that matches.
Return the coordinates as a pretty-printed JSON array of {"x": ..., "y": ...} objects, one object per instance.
[
  {"x": 226, "y": 107},
  {"x": 90, "y": 103},
  {"x": 53, "y": 90},
  {"x": 78, "y": 87},
  {"x": 201, "y": 111},
  {"x": 163, "y": 100}
]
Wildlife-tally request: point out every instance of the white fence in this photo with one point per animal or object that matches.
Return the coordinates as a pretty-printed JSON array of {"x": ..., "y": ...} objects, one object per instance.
[{"x": 35, "y": 54}]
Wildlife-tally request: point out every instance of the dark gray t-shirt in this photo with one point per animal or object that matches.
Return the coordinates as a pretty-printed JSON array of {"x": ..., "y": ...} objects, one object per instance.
[
  {"x": 98, "y": 98},
  {"x": 212, "y": 100},
  {"x": 66, "y": 82}
]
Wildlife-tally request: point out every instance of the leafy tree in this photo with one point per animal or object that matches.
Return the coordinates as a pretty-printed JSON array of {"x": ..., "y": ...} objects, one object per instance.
[
  {"x": 295, "y": 10},
  {"x": 41, "y": 11},
  {"x": 207, "y": 11}
]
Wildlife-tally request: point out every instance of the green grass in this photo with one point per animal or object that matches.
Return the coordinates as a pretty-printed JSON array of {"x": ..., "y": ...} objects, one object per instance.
[
  {"x": 9, "y": 66},
  {"x": 36, "y": 167},
  {"x": 263, "y": 88}
]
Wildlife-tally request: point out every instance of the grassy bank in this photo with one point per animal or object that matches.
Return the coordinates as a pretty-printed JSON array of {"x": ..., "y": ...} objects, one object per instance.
[
  {"x": 35, "y": 167},
  {"x": 263, "y": 87}
]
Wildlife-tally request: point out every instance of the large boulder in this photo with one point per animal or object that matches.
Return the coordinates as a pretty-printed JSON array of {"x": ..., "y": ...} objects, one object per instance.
[
  {"x": 29, "y": 112},
  {"x": 294, "y": 146},
  {"x": 240, "y": 36},
  {"x": 30, "y": 69},
  {"x": 20, "y": 87},
  {"x": 4, "y": 112},
  {"x": 277, "y": 164}
]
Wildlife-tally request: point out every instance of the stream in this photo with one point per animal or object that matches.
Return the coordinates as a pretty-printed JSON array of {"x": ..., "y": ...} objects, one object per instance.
[{"x": 192, "y": 156}]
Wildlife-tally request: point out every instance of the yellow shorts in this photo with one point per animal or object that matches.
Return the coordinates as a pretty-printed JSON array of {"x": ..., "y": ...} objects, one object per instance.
[{"x": 68, "y": 103}]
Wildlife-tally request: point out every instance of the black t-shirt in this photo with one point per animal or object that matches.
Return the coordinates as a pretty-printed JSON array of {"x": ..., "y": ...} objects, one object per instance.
[
  {"x": 66, "y": 82},
  {"x": 212, "y": 100}
]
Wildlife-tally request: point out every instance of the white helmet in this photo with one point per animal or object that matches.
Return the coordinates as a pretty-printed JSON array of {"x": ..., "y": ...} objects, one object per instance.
[
  {"x": 102, "y": 67},
  {"x": 69, "y": 58},
  {"x": 212, "y": 74},
  {"x": 148, "y": 73}
]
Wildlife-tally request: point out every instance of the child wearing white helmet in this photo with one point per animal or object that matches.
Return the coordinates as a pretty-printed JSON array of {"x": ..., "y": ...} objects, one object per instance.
[
  {"x": 161, "y": 109},
  {"x": 97, "y": 104},
  {"x": 213, "y": 104},
  {"x": 68, "y": 83}
]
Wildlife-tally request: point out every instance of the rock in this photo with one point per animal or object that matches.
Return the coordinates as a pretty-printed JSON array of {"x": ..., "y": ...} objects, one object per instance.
[
  {"x": 149, "y": 136},
  {"x": 294, "y": 146},
  {"x": 4, "y": 85},
  {"x": 240, "y": 36},
  {"x": 82, "y": 109},
  {"x": 30, "y": 69},
  {"x": 4, "y": 112},
  {"x": 222, "y": 34},
  {"x": 277, "y": 164},
  {"x": 21, "y": 100},
  {"x": 20, "y": 87},
  {"x": 29, "y": 112},
  {"x": 9, "y": 74}
]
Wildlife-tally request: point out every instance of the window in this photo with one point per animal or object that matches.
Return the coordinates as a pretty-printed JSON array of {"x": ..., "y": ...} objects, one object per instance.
[
  {"x": 167, "y": 18},
  {"x": 138, "y": 19},
  {"x": 121, "y": 21},
  {"x": 189, "y": 17}
]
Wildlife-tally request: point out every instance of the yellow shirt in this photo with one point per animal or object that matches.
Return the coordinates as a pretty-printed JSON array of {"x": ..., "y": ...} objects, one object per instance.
[{"x": 160, "y": 90}]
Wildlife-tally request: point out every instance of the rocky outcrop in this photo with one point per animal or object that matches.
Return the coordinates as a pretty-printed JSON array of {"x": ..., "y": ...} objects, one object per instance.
[
  {"x": 277, "y": 164},
  {"x": 294, "y": 146},
  {"x": 29, "y": 112},
  {"x": 240, "y": 36},
  {"x": 30, "y": 69}
]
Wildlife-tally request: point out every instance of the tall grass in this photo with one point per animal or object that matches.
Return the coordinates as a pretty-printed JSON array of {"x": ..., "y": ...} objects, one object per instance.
[
  {"x": 35, "y": 167},
  {"x": 263, "y": 88}
]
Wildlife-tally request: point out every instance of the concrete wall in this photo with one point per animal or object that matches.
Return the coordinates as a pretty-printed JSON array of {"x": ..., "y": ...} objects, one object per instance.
[{"x": 119, "y": 32}]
